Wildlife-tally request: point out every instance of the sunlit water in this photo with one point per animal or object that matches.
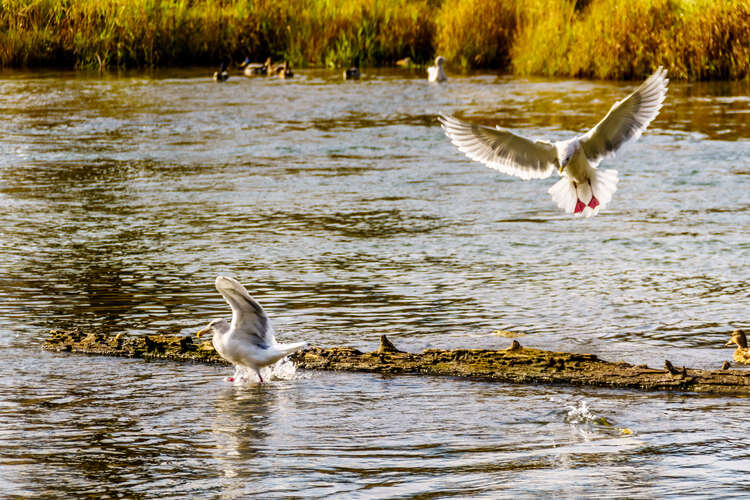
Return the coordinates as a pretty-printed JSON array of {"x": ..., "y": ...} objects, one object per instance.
[{"x": 348, "y": 215}]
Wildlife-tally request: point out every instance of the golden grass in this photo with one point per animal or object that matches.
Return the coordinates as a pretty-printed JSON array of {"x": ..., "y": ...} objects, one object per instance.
[
  {"x": 111, "y": 33},
  {"x": 694, "y": 39},
  {"x": 476, "y": 33}
]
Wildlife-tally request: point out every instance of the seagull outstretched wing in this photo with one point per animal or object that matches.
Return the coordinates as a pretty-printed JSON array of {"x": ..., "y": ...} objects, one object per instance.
[
  {"x": 501, "y": 149},
  {"x": 248, "y": 317},
  {"x": 627, "y": 119}
]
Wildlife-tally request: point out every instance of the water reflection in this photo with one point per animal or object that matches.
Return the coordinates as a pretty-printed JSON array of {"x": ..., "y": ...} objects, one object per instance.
[{"x": 240, "y": 427}]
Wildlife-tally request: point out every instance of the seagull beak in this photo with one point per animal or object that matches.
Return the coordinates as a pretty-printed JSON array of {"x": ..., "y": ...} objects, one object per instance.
[{"x": 201, "y": 332}]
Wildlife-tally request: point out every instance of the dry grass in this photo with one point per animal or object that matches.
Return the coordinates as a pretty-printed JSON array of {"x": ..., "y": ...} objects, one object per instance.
[
  {"x": 714, "y": 41},
  {"x": 695, "y": 39},
  {"x": 476, "y": 33},
  {"x": 111, "y": 33}
]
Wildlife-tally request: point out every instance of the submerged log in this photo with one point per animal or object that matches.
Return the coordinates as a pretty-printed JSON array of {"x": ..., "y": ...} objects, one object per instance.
[{"x": 515, "y": 364}]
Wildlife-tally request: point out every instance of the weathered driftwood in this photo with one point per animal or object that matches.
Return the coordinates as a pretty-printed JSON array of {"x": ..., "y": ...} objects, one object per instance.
[{"x": 516, "y": 364}]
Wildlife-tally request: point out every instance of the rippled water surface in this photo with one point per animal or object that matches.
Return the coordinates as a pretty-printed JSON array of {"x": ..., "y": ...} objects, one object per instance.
[{"x": 348, "y": 215}]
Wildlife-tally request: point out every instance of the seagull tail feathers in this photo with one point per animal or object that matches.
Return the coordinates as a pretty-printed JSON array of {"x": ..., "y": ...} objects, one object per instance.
[
  {"x": 290, "y": 348},
  {"x": 585, "y": 200}
]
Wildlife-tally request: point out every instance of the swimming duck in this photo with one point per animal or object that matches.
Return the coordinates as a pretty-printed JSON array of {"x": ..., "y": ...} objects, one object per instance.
[
  {"x": 255, "y": 69},
  {"x": 284, "y": 70},
  {"x": 436, "y": 73},
  {"x": 352, "y": 73},
  {"x": 742, "y": 353},
  {"x": 221, "y": 75},
  {"x": 404, "y": 63}
]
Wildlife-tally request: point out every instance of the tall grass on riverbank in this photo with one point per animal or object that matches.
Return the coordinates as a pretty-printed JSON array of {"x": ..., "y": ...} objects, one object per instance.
[
  {"x": 695, "y": 39},
  {"x": 112, "y": 33},
  {"x": 476, "y": 33}
]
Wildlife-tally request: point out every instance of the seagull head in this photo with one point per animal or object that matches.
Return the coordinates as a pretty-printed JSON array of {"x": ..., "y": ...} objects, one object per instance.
[{"x": 216, "y": 327}]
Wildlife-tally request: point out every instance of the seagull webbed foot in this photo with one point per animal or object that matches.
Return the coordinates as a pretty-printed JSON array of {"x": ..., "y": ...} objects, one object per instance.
[{"x": 579, "y": 206}]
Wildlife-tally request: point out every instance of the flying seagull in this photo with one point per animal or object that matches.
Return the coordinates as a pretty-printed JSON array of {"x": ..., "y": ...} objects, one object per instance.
[
  {"x": 248, "y": 341},
  {"x": 583, "y": 190}
]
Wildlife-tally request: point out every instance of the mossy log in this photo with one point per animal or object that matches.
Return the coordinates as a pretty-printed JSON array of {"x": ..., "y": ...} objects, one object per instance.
[
  {"x": 172, "y": 347},
  {"x": 515, "y": 364}
]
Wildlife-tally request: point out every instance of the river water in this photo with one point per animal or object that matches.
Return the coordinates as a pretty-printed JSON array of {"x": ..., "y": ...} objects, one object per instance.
[{"x": 348, "y": 214}]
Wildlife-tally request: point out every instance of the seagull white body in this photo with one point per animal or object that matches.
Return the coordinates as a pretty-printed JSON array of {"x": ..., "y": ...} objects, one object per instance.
[
  {"x": 583, "y": 189},
  {"x": 248, "y": 341},
  {"x": 436, "y": 73}
]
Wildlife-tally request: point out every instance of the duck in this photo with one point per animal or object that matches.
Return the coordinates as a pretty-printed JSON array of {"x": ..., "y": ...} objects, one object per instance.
[
  {"x": 284, "y": 70},
  {"x": 742, "y": 353},
  {"x": 248, "y": 341},
  {"x": 221, "y": 75},
  {"x": 404, "y": 63},
  {"x": 255, "y": 69},
  {"x": 436, "y": 73},
  {"x": 352, "y": 73}
]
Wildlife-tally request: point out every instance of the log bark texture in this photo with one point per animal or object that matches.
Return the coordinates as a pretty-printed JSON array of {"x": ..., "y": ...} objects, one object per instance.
[{"x": 515, "y": 364}]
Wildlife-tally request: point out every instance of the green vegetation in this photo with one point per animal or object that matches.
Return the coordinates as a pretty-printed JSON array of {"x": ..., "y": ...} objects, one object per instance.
[{"x": 695, "y": 39}]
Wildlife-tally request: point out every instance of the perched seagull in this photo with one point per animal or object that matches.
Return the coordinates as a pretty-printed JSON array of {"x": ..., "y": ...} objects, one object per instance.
[
  {"x": 248, "y": 341},
  {"x": 436, "y": 73},
  {"x": 583, "y": 189}
]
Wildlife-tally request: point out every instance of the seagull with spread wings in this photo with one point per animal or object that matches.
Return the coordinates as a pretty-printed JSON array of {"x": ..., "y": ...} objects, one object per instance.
[
  {"x": 583, "y": 189},
  {"x": 248, "y": 341}
]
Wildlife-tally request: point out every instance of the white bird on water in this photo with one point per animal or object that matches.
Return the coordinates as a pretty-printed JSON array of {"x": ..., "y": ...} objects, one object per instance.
[
  {"x": 436, "y": 73},
  {"x": 249, "y": 340},
  {"x": 583, "y": 189}
]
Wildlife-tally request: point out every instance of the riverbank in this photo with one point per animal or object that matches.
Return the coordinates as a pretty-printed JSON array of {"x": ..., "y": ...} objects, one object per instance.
[{"x": 695, "y": 39}]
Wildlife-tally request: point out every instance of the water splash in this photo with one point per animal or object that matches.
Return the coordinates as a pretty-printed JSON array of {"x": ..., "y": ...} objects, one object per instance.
[
  {"x": 580, "y": 414},
  {"x": 580, "y": 417},
  {"x": 283, "y": 369}
]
